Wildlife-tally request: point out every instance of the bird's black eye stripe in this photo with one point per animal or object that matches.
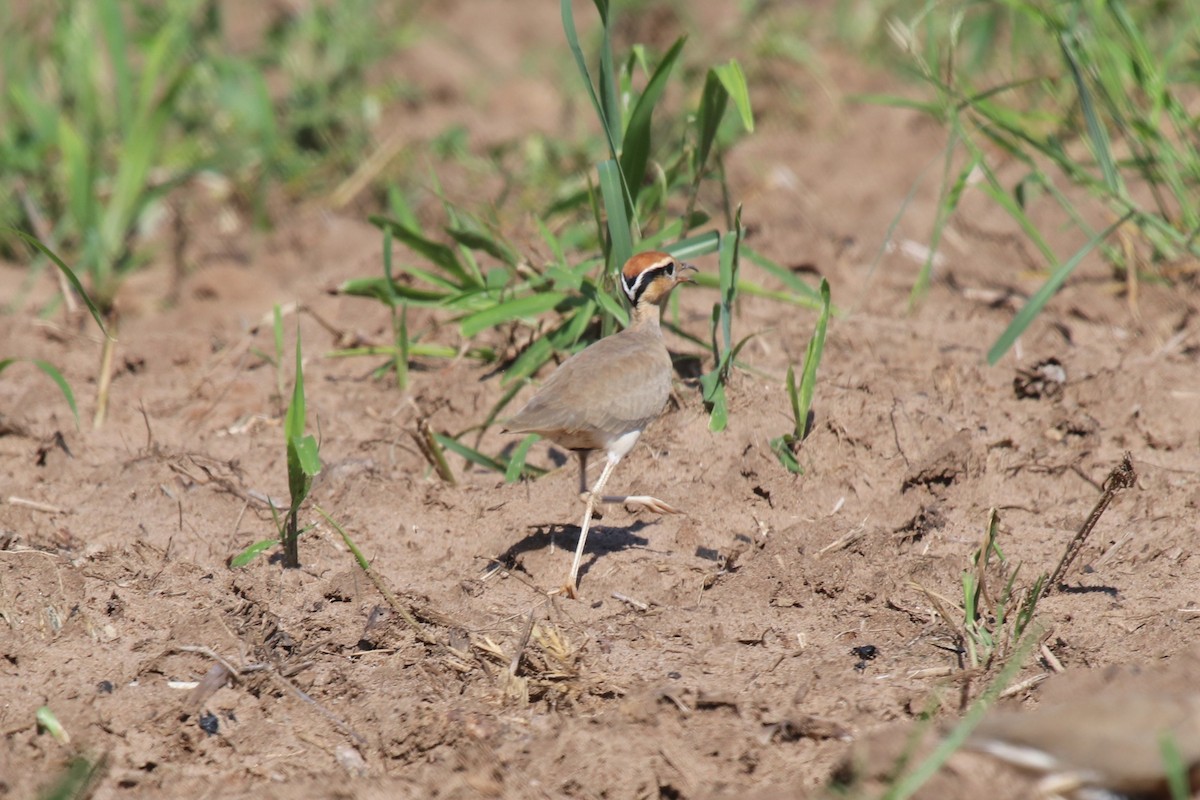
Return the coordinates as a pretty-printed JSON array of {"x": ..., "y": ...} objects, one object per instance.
[{"x": 634, "y": 290}]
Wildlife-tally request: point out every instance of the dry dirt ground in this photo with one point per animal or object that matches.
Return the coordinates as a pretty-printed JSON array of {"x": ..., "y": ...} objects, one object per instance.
[{"x": 732, "y": 673}]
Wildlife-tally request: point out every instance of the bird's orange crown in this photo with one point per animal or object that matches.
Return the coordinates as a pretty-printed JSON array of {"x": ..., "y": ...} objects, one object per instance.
[{"x": 651, "y": 276}]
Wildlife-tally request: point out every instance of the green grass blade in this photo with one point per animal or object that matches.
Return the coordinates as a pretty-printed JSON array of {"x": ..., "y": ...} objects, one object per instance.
[
  {"x": 611, "y": 133},
  {"x": 783, "y": 274},
  {"x": 713, "y": 101},
  {"x": 529, "y": 305},
  {"x": 635, "y": 147},
  {"x": 478, "y": 240},
  {"x": 906, "y": 785},
  {"x": 48, "y": 722},
  {"x": 78, "y": 166},
  {"x": 516, "y": 463},
  {"x": 609, "y": 92},
  {"x": 1178, "y": 781},
  {"x": 112, "y": 23},
  {"x": 799, "y": 420},
  {"x": 470, "y": 453},
  {"x": 293, "y": 424},
  {"x": 734, "y": 81},
  {"x": 440, "y": 254},
  {"x": 781, "y": 446},
  {"x": 729, "y": 261},
  {"x": 250, "y": 553},
  {"x": 605, "y": 301},
  {"x": 1097, "y": 135},
  {"x": 529, "y": 362},
  {"x": 61, "y": 382},
  {"x": 695, "y": 246},
  {"x": 711, "y": 280},
  {"x": 1035, "y": 303},
  {"x": 36, "y": 244},
  {"x": 78, "y": 781},
  {"x": 384, "y": 291},
  {"x": 361, "y": 559},
  {"x": 307, "y": 455},
  {"x": 54, "y": 375},
  {"x": 620, "y": 238},
  {"x": 812, "y": 359}
]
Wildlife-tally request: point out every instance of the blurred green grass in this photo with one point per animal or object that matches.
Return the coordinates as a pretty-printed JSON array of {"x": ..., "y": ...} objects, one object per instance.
[
  {"x": 110, "y": 106},
  {"x": 1096, "y": 101}
]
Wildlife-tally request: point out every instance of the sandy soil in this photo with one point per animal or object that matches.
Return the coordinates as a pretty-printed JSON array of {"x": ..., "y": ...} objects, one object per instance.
[{"x": 733, "y": 668}]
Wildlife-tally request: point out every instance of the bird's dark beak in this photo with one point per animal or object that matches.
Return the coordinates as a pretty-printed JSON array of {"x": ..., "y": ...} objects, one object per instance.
[{"x": 680, "y": 274}]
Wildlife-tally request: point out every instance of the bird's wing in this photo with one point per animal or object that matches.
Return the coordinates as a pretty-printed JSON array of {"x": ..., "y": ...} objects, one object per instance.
[{"x": 616, "y": 385}]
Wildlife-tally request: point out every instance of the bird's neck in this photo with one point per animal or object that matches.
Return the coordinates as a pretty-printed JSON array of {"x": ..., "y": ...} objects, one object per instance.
[{"x": 645, "y": 318}]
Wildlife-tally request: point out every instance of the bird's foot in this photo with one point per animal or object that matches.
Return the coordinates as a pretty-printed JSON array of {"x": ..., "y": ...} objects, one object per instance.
[
  {"x": 566, "y": 590},
  {"x": 585, "y": 496},
  {"x": 649, "y": 503}
]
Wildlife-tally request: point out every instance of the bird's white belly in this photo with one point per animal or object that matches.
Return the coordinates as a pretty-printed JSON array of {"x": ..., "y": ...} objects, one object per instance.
[{"x": 619, "y": 447}]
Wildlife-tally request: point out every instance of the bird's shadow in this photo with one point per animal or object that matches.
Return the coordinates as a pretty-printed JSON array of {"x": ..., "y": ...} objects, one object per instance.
[
  {"x": 556, "y": 456},
  {"x": 602, "y": 539},
  {"x": 1111, "y": 591}
]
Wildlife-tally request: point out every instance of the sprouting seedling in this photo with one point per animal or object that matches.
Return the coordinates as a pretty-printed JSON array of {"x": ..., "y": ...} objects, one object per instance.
[
  {"x": 73, "y": 281},
  {"x": 303, "y": 464},
  {"x": 786, "y": 446},
  {"x": 712, "y": 384},
  {"x": 988, "y": 623}
]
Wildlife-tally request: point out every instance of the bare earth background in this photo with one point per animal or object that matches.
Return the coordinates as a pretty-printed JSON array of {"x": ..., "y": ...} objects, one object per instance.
[{"x": 737, "y": 672}]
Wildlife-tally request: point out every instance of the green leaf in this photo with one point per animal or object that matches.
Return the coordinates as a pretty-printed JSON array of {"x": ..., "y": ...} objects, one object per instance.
[
  {"x": 294, "y": 421},
  {"x": 440, "y": 254},
  {"x": 812, "y": 359},
  {"x": 361, "y": 559},
  {"x": 379, "y": 289},
  {"x": 1101, "y": 146},
  {"x": 250, "y": 553},
  {"x": 476, "y": 240},
  {"x": 49, "y": 723},
  {"x": 713, "y": 390},
  {"x": 781, "y": 446},
  {"x": 118, "y": 55},
  {"x": 307, "y": 455},
  {"x": 1034, "y": 305},
  {"x": 701, "y": 244},
  {"x": 605, "y": 301},
  {"x": 54, "y": 374},
  {"x": 611, "y": 127},
  {"x": 782, "y": 273},
  {"x": 799, "y": 420},
  {"x": 734, "y": 81},
  {"x": 530, "y": 361},
  {"x": 635, "y": 148},
  {"x": 713, "y": 101},
  {"x": 469, "y": 453},
  {"x": 36, "y": 244},
  {"x": 529, "y": 305},
  {"x": 727, "y": 274},
  {"x": 299, "y": 480},
  {"x": 620, "y": 238},
  {"x": 516, "y": 463}
]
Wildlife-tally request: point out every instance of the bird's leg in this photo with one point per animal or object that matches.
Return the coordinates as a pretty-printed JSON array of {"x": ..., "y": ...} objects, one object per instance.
[
  {"x": 573, "y": 581},
  {"x": 643, "y": 500},
  {"x": 584, "y": 493},
  {"x": 583, "y": 487}
]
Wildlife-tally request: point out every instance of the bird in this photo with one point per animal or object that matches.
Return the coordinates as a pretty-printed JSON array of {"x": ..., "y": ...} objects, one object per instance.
[
  {"x": 1106, "y": 743},
  {"x": 603, "y": 397}
]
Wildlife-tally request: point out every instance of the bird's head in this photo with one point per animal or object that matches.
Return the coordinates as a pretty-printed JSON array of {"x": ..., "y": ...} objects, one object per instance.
[{"x": 649, "y": 277}]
